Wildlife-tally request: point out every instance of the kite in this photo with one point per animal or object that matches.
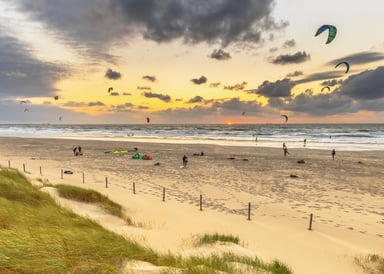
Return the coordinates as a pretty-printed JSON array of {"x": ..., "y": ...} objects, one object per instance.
[
  {"x": 243, "y": 113},
  {"x": 285, "y": 116},
  {"x": 25, "y": 110},
  {"x": 23, "y": 102},
  {"x": 56, "y": 97},
  {"x": 343, "y": 63},
  {"x": 326, "y": 87},
  {"x": 148, "y": 120},
  {"x": 331, "y": 32},
  {"x": 110, "y": 89}
]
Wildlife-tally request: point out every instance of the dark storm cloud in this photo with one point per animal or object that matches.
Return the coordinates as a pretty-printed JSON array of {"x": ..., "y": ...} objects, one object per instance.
[
  {"x": 295, "y": 74},
  {"x": 220, "y": 54},
  {"x": 322, "y": 104},
  {"x": 149, "y": 78},
  {"x": 289, "y": 43},
  {"x": 199, "y": 81},
  {"x": 280, "y": 88},
  {"x": 328, "y": 75},
  {"x": 363, "y": 91},
  {"x": 73, "y": 104},
  {"x": 96, "y": 104},
  {"x": 196, "y": 99},
  {"x": 126, "y": 107},
  {"x": 331, "y": 83},
  {"x": 98, "y": 22},
  {"x": 214, "y": 85},
  {"x": 113, "y": 75},
  {"x": 359, "y": 58},
  {"x": 236, "y": 86},
  {"x": 165, "y": 98},
  {"x": 235, "y": 104},
  {"x": 367, "y": 85},
  {"x": 21, "y": 75},
  {"x": 298, "y": 57}
]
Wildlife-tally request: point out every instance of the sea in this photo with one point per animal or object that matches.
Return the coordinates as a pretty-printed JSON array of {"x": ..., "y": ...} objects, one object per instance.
[{"x": 346, "y": 137}]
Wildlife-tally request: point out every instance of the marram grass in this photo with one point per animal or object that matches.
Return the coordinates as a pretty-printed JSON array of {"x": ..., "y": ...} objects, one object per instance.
[{"x": 38, "y": 236}]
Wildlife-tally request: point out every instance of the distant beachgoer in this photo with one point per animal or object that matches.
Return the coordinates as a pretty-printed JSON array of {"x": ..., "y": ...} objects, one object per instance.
[
  {"x": 202, "y": 153},
  {"x": 75, "y": 152},
  {"x": 185, "y": 161},
  {"x": 305, "y": 142},
  {"x": 79, "y": 150},
  {"x": 333, "y": 154},
  {"x": 285, "y": 151}
]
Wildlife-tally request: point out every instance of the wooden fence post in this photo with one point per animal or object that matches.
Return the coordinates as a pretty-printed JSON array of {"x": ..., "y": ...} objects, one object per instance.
[
  {"x": 310, "y": 221},
  {"x": 249, "y": 211}
]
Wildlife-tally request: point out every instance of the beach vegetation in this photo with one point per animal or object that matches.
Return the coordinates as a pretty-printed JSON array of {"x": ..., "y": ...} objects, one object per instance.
[
  {"x": 89, "y": 196},
  {"x": 39, "y": 236},
  {"x": 216, "y": 237},
  {"x": 371, "y": 263}
]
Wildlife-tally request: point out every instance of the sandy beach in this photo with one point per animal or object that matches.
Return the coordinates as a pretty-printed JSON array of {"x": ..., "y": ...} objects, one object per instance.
[{"x": 345, "y": 196}]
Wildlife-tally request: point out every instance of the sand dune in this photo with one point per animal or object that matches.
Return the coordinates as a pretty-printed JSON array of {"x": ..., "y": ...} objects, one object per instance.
[{"x": 344, "y": 195}]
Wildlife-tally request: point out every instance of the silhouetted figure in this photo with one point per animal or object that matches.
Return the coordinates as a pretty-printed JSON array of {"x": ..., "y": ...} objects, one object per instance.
[
  {"x": 185, "y": 161},
  {"x": 333, "y": 154},
  {"x": 285, "y": 151}
]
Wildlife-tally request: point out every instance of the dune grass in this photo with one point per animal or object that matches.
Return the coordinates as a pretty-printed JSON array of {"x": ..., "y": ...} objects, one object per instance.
[
  {"x": 371, "y": 263},
  {"x": 89, "y": 196},
  {"x": 38, "y": 236},
  {"x": 214, "y": 238}
]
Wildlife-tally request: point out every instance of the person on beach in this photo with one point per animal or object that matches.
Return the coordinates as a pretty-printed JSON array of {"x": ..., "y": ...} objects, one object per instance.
[
  {"x": 185, "y": 161},
  {"x": 75, "y": 152},
  {"x": 305, "y": 142},
  {"x": 285, "y": 149},
  {"x": 333, "y": 154}
]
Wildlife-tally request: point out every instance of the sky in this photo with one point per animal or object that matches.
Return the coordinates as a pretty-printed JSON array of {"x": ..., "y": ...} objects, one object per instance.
[{"x": 191, "y": 61}]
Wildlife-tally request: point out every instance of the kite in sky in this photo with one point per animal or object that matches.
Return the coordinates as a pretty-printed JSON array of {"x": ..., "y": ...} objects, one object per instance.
[
  {"x": 56, "y": 97},
  {"x": 148, "y": 120},
  {"x": 343, "y": 63},
  {"x": 331, "y": 32},
  {"x": 110, "y": 89},
  {"x": 326, "y": 87},
  {"x": 285, "y": 116}
]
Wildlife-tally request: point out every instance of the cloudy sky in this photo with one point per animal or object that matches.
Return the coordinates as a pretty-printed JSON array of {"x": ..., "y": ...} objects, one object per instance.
[{"x": 190, "y": 61}]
